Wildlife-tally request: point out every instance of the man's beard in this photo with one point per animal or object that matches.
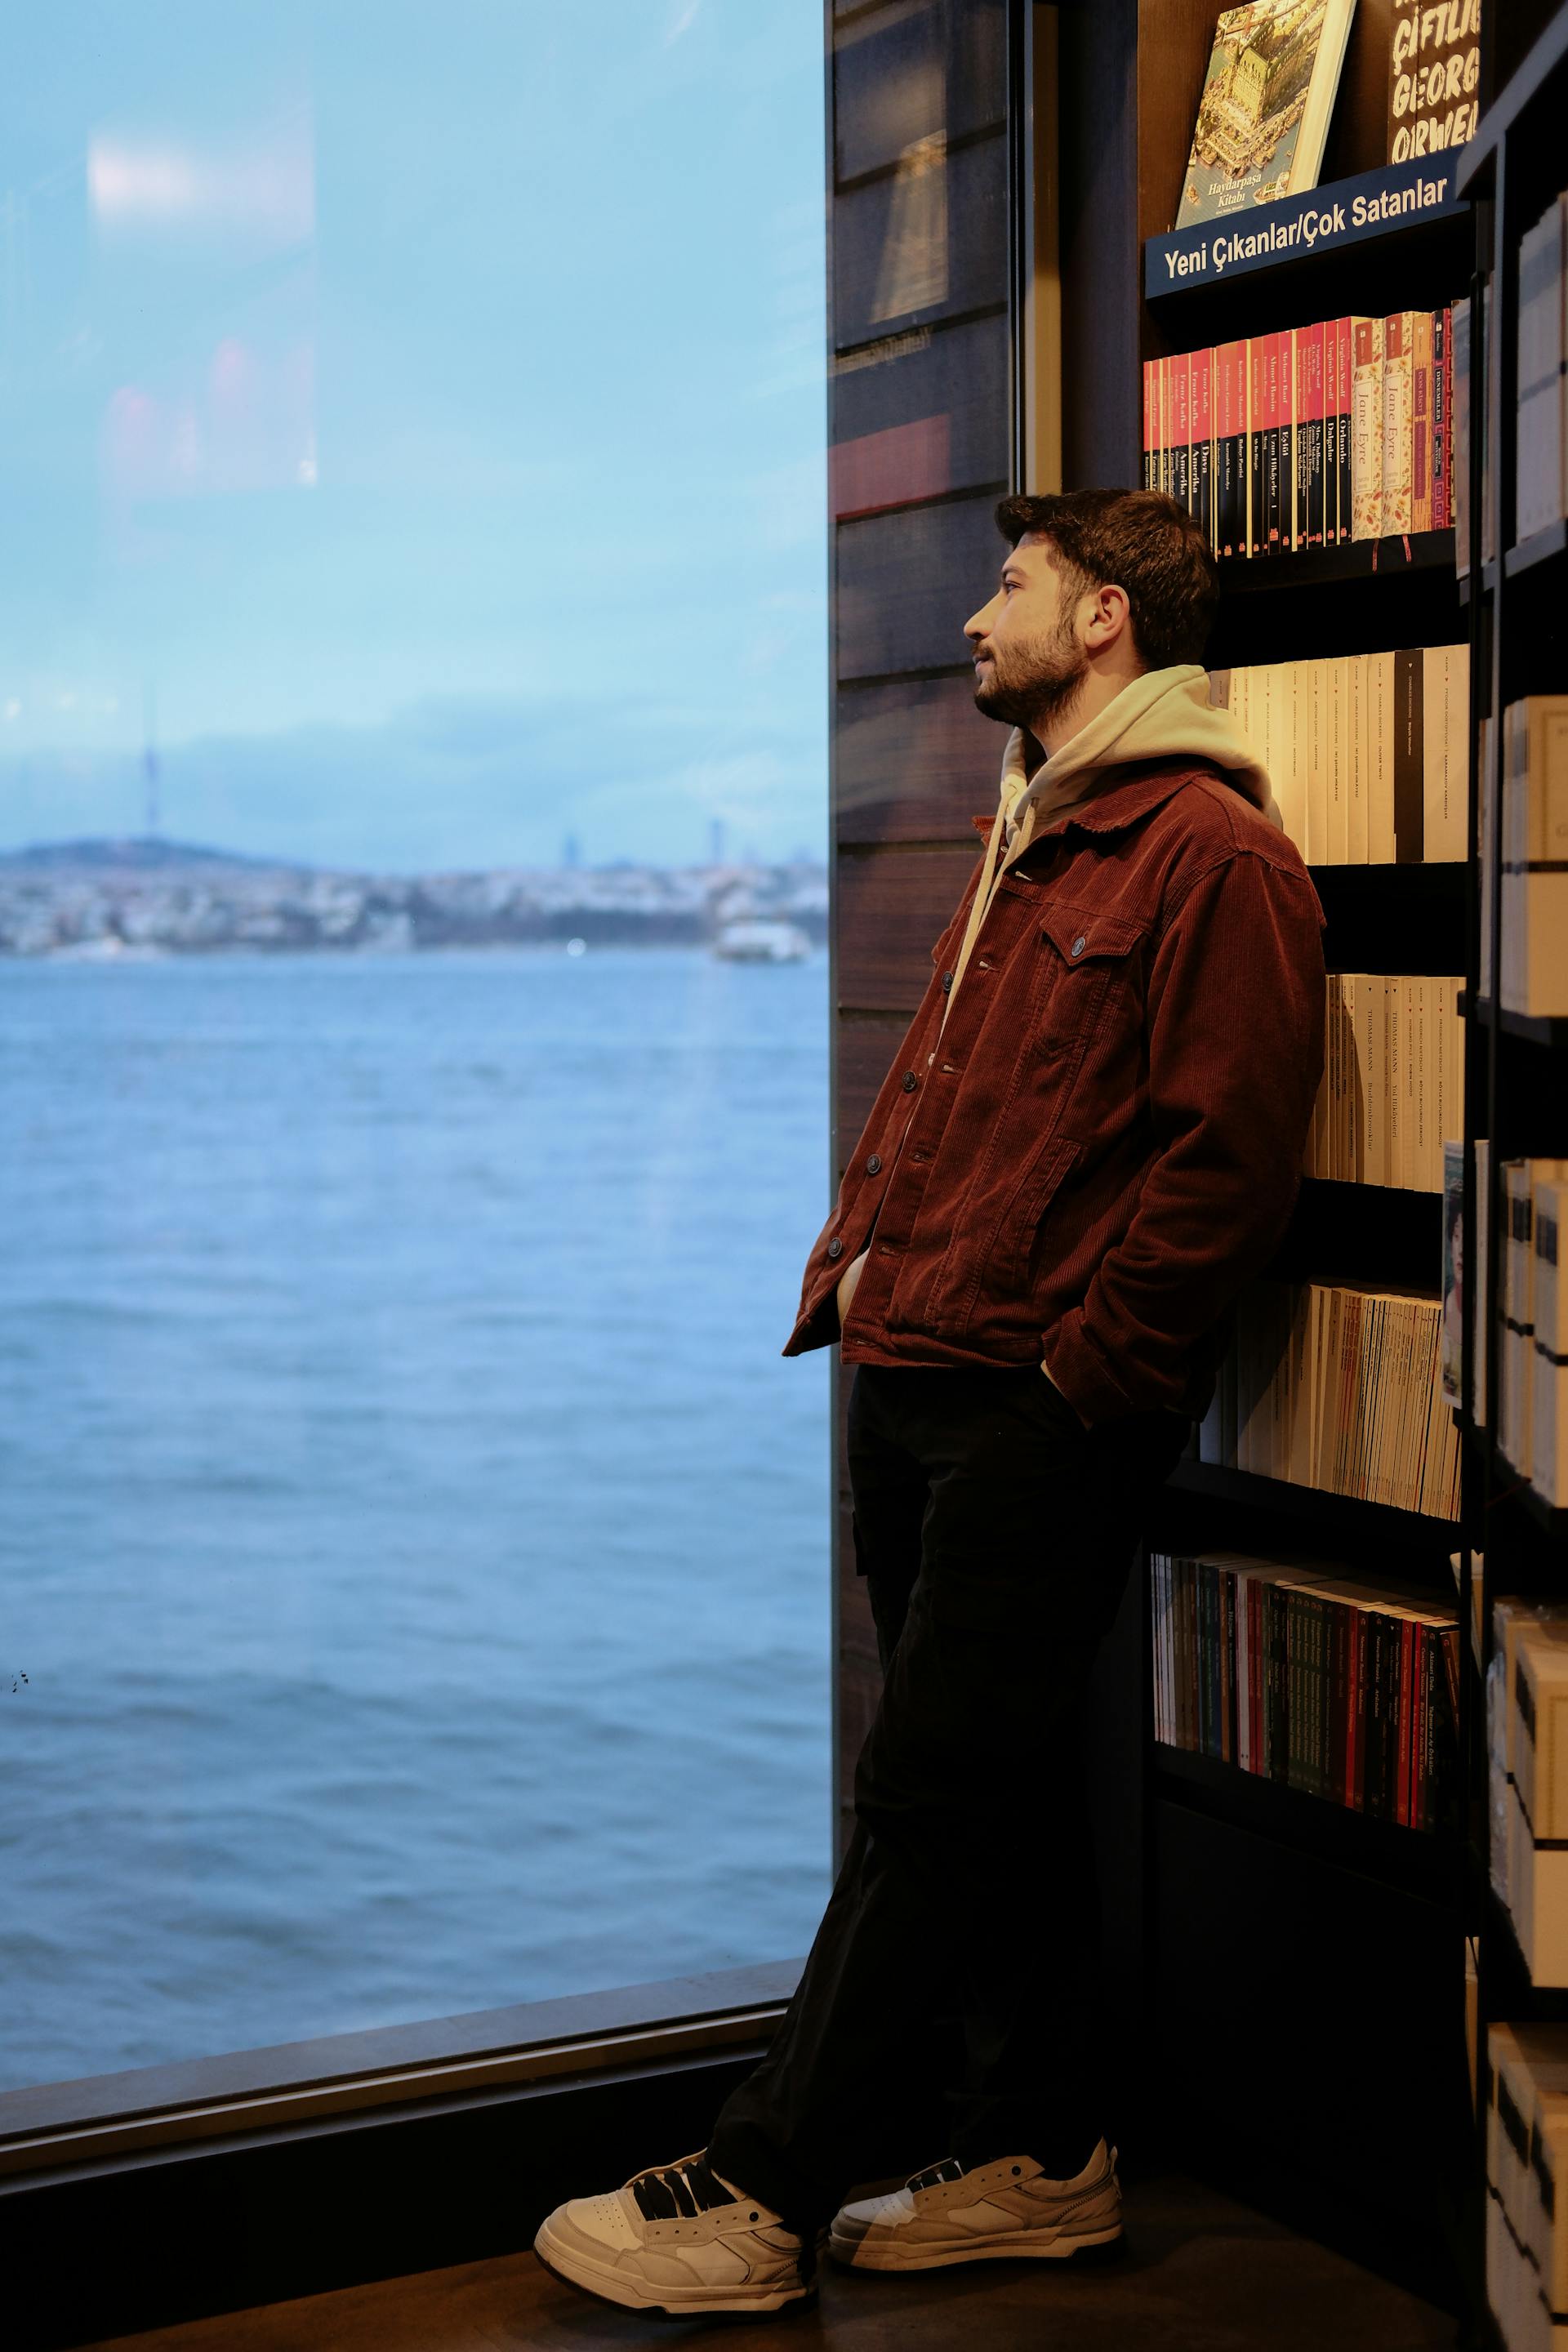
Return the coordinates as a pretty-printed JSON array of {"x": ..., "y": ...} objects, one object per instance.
[{"x": 1031, "y": 686}]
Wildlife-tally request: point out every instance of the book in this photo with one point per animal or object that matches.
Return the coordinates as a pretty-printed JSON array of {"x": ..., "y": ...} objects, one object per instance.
[
  {"x": 1263, "y": 114},
  {"x": 1307, "y": 379},
  {"x": 1534, "y": 784},
  {"x": 1367, "y": 422},
  {"x": 1312, "y": 435},
  {"x": 1422, "y": 325},
  {"x": 1434, "y": 77},
  {"x": 1367, "y": 753},
  {"x": 1391, "y": 1087},
  {"x": 1396, "y": 472},
  {"x": 1200, "y": 459},
  {"x": 1338, "y": 1386},
  {"x": 1459, "y": 430},
  {"x": 1540, "y": 350},
  {"x": 1263, "y": 445},
  {"x": 1300, "y": 1672},
  {"x": 1231, "y": 501}
]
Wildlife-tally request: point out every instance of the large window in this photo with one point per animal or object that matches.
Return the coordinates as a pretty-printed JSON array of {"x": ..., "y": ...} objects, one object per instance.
[{"x": 414, "y": 1053}]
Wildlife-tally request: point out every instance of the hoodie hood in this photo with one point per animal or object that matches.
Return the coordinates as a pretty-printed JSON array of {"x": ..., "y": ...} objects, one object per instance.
[{"x": 1164, "y": 714}]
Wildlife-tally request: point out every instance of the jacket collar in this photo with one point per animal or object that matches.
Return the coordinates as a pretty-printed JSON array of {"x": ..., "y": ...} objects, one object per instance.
[{"x": 1137, "y": 788}]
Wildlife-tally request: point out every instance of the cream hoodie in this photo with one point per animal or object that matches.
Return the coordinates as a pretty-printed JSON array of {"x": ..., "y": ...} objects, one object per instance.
[{"x": 1162, "y": 714}]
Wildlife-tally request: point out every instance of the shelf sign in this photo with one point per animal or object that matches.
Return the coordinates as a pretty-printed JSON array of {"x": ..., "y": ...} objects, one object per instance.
[{"x": 1318, "y": 220}]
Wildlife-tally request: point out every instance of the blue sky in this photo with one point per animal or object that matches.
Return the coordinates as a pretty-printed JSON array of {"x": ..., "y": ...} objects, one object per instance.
[{"x": 420, "y": 409}]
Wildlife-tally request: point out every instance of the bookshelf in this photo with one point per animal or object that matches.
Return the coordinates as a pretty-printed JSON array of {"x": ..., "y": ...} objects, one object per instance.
[{"x": 1304, "y": 1963}]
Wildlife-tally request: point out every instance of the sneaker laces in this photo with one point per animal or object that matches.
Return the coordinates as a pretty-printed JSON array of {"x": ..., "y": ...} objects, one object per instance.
[
  {"x": 674, "y": 2192},
  {"x": 949, "y": 2169}
]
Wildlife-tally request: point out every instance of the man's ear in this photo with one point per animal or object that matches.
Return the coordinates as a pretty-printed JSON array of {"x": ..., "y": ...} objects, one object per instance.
[{"x": 1109, "y": 616}]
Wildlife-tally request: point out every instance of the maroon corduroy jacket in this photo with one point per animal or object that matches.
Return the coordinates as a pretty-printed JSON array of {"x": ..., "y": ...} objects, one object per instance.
[{"x": 1105, "y": 1143}]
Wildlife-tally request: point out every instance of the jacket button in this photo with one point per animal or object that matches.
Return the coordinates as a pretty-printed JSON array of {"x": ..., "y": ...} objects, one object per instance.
[
  {"x": 874, "y": 1165},
  {"x": 1080, "y": 944},
  {"x": 947, "y": 983},
  {"x": 836, "y": 1247},
  {"x": 911, "y": 1082}
]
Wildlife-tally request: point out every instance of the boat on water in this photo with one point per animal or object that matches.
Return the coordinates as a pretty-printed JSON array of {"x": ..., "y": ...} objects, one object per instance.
[{"x": 756, "y": 940}]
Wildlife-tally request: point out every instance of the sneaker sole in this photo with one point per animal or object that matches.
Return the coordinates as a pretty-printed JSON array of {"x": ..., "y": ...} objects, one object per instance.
[
  {"x": 1021, "y": 2246},
  {"x": 615, "y": 2286}
]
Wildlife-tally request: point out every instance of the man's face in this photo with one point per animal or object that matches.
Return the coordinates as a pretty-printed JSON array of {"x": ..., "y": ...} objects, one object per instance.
[{"x": 1029, "y": 661}]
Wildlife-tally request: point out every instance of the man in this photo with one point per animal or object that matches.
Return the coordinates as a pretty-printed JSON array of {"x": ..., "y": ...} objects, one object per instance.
[{"x": 1088, "y": 1140}]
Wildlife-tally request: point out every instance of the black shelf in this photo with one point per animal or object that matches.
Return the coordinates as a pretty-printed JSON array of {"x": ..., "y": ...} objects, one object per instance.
[
  {"x": 1399, "y": 918},
  {"x": 1357, "y": 559},
  {"x": 1370, "y": 595},
  {"x": 1424, "y": 1861},
  {"x": 1508, "y": 1487},
  {"x": 1541, "y": 547},
  {"x": 1526, "y": 85},
  {"x": 1362, "y": 1232},
  {"x": 1322, "y": 1517},
  {"x": 1535, "y": 1028}
]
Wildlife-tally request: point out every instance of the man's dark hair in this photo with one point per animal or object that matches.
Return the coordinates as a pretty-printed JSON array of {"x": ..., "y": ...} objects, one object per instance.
[{"x": 1139, "y": 540}]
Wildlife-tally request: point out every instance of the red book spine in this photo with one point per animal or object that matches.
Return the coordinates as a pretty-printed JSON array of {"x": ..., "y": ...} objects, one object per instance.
[
  {"x": 1262, "y": 362},
  {"x": 1148, "y": 475},
  {"x": 1406, "y": 1712},
  {"x": 1343, "y": 346}
]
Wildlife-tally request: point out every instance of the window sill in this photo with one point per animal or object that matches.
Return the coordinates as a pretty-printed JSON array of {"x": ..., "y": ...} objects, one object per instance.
[{"x": 108, "y": 2115}]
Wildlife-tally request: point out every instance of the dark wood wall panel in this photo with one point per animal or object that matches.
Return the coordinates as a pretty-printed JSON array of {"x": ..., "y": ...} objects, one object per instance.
[
  {"x": 916, "y": 760},
  {"x": 920, "y": 244},
  {"x": 1101, "y": 387},
  {"x": 867, "y": 1045},
  {"x": 893, "y": 906},
  {"x": 920, "y": 431},
  {"x": 906, "y": 73},
  {"x": 955, "y": 374},
  {"x": 907, "y": 582}
]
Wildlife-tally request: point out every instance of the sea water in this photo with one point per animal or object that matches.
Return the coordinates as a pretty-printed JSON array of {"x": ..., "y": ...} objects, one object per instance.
[{"x": 413, "y": 1546}]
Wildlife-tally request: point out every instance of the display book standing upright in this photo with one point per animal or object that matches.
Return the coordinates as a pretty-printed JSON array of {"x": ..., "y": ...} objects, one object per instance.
[
  {"x": 1516, "y": 1559},
  {"x": 1305, "y": 1926}
]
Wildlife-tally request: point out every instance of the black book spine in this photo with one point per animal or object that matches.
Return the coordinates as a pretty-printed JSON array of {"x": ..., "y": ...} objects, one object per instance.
[{"x": 1409, "y": 760}]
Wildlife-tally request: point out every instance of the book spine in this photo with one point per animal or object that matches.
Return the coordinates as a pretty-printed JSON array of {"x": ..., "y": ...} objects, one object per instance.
[
  {"x": 1441, "y": 517},
  {"x": 1262, "y": 384},
  {"x": 1279, "y": 456},
  {"x": 1366, "y": 428},
  {"x": 1200, "y": 463},
  {"x": 1181, "y": 445},
  {"x": 1409, "y": 760},
  {"x": 1421, "y": 423},
  {"x": 1277, "y": 1715},
  {"x": 1337, "y": 1782},
  {"x": 1229, "y": 1744},
  {"x": 1344, "y": 370},
  {"x": 1396, "y": 505},
  {"x": 1148, "y": 426},
  {"x": 1331, "y": 436},
  {"x": 1309, "y": 436},
  {"x": 1230, "y": 486}
]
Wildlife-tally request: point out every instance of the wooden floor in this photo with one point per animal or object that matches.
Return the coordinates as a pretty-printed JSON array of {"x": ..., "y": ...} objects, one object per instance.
[{"x": 1203, "y": 2274}]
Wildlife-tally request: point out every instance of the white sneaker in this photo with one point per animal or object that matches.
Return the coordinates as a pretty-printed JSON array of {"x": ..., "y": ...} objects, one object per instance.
[
  {"x": 678, "y": 2239},
  {"x": 998, "y": 2211}
]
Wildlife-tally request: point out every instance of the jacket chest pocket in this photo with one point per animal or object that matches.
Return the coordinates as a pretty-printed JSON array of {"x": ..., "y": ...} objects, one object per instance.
[{"x": 1090, "y": 972}]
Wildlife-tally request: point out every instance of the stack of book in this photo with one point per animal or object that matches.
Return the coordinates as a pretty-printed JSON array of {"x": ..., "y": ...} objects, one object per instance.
[
  {"x": 1541, "y": 488},
  {"x": 1527, "y": 2155},
  {"x": 1534, "y": 960},
  {"x": 1338, "y": 1387},
  {"x": 1527, "y": 1761},
  {"x": 1392, "y": 1085},
  {"x": 1303, "y": 1673},
  {"x": 1368, "y": 754},
  {"x": 1309, "y": 436},
  {"x": 1532, "y": 1412}
]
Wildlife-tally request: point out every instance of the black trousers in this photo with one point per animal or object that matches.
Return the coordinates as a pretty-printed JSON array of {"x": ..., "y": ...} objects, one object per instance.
[{"x": 996, "y": 1535}]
